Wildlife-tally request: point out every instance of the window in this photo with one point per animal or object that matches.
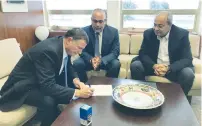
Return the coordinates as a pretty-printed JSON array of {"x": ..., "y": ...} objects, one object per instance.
[
  {"x": 72, "y": 13},
  {"x": 141, "y": 13}
]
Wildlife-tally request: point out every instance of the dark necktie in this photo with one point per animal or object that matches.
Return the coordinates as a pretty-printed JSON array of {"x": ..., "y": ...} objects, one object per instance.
[
  {"x": 65, "y": 64},
  {"x": 97, "y": 53}
]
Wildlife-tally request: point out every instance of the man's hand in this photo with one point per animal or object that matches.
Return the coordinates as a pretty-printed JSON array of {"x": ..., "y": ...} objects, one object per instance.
[
  {"x": 79, "y": 84},
  {"x": 160, "y": 69},
  {"x": 95, "y": 62},
  {"x": 84, "y": 93}
]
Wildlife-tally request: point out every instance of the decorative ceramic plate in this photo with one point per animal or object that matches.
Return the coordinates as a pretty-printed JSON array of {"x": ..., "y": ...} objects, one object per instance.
[{"x": 138, "y": 96}]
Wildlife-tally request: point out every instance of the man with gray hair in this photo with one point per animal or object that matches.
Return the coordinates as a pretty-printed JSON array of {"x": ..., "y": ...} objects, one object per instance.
[
  {"x": 165, "y": 52},
  {"x": 44, "y": 77},
  {"x": 102, "y": 50}
]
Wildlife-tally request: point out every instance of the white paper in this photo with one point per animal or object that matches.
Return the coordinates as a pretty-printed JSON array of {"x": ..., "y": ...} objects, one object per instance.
[{"x": 102, "y": 90}]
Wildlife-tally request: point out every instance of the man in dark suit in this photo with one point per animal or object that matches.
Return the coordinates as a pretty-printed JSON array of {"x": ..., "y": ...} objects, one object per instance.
[
  {"x": 102, "y": 50},
  {"x": 165, "y": 52},
  {"x": 44, "y": 77}
]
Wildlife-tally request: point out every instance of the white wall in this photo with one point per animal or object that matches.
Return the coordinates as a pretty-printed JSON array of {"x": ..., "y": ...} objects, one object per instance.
[
  {"x": 198, "y": 22},
  {"x": 114, "y": 13}
]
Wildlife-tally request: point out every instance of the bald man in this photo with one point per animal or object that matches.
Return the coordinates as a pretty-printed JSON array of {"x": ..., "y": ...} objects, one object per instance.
[
  {"x": 165, "y": 52},
  {"x": 102, "y": 50}
]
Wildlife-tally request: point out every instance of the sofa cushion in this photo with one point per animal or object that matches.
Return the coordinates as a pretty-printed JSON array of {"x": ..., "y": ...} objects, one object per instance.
[
  {"x": 157, "y": 79},
  {"x": 10, "y": 53},
  {"x": 136, "y": 42},
  {"x": 197, "y": 81},
  {"x": 195, "y": 44},
  {"x": 194, "y": 92},
  {"x": 124, "y": 43},
  {"x": 17, "y": 117},
  {"x": 122, "y": 73},
  {"x": 2, "y": 81},
  {"x": 126, "y": 60}
]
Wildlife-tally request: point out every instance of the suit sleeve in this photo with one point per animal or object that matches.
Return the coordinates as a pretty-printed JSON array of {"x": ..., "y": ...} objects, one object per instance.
[
  {"x": 115, "y": 51},
  {"x": 143, "y": 53},
  {"x": 46, "y": 77},
  {"x": 86, "y": 56},
  {"x": 186, "y": 56}
]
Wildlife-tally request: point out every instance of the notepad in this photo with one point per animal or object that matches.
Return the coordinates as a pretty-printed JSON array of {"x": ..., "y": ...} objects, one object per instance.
[{"x": 102, "y": 90}]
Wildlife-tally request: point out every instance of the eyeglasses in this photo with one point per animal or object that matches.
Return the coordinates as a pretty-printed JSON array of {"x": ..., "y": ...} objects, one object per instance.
[{"x": 96, "y": 21}]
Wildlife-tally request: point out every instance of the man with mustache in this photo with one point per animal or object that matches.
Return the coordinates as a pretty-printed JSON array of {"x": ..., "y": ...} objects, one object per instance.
[
  {"x": 102, "y": 50},
  {"x": 165, "y": 52}
]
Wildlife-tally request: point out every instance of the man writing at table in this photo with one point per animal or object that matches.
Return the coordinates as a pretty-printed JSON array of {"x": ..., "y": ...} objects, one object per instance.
[
  {"x": 102, "y": 50},
  {"x": 44, "y": 77}
]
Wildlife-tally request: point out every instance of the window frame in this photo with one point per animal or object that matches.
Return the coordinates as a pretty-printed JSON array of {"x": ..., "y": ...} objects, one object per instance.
[
  {"x": 64, "y": 12},
  {"x": 123, "y": 12},
  {"x": 154, "y": 12}
]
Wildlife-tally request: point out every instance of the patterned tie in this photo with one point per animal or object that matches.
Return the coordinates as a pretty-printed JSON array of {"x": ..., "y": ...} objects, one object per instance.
[
  {"x": 97, "y": 52},
  {"x": 65, "y": 64}
]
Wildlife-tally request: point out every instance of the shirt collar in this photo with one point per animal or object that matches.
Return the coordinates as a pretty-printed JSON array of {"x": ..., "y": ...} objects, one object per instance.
[{"x": 166, "y": 37}]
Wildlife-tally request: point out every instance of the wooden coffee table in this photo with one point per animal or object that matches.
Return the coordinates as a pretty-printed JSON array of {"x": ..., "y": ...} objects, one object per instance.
[{"x": 176, "y": 111}]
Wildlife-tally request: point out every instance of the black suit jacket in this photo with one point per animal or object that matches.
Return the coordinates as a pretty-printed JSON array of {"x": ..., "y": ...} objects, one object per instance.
[
  {"x": 110, "y": 49},
  {"x": 38, "y": 69},
  {"x": 178, "y": 48}
]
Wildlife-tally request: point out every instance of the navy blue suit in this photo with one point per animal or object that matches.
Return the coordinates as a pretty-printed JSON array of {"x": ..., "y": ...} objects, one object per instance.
[
  {"x": 180, "y": 57},
  {"x": 36, "y": 81},
  {"x": 110, "y": 51}
]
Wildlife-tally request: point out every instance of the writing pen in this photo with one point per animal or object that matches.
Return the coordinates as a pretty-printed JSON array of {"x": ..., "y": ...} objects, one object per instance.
[{"x": 89, "y": 85}]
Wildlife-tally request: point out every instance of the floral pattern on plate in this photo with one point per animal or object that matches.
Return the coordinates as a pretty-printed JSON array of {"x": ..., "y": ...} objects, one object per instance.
[{"x": 138, "y": 96}]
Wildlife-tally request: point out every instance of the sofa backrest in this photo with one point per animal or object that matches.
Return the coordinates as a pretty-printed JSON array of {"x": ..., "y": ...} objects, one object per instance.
[
  {"x": 195, "y": 45},
  {"x": 10, "y": 54},
  {"x": 130, "y": 44},
  {"x": 124, "y": 43},
  {"x": 136, "y": 41}
]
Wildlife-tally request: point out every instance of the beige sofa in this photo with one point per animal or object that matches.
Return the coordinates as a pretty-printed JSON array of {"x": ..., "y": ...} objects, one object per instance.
[
  {"x": 10, "y": 53},
  {"x": 129, "y": 48}
]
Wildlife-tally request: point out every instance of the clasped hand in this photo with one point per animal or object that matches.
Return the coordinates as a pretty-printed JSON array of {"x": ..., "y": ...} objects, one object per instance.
[
  {"x": 160, "y": 69},
  {"x": 95, "y": 62}
]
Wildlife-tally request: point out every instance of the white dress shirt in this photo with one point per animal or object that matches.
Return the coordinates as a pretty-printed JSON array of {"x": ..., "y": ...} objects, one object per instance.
[
  {"x": 62, "y": 66},
  {"x": 63, "y": 59},
  {"x": 163, "y": 56}
]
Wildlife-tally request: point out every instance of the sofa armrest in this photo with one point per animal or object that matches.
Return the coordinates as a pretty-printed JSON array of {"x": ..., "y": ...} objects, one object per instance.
[
  {"x": 2, "y": 81},
  {"x": 197, "y": 64}
]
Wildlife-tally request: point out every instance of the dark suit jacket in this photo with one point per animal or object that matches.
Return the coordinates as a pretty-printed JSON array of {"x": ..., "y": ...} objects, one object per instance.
[
  {"x": 178, "y": 48},
  {"x": 37, "y": 69},
  {"x": 110, "y": 44}
]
